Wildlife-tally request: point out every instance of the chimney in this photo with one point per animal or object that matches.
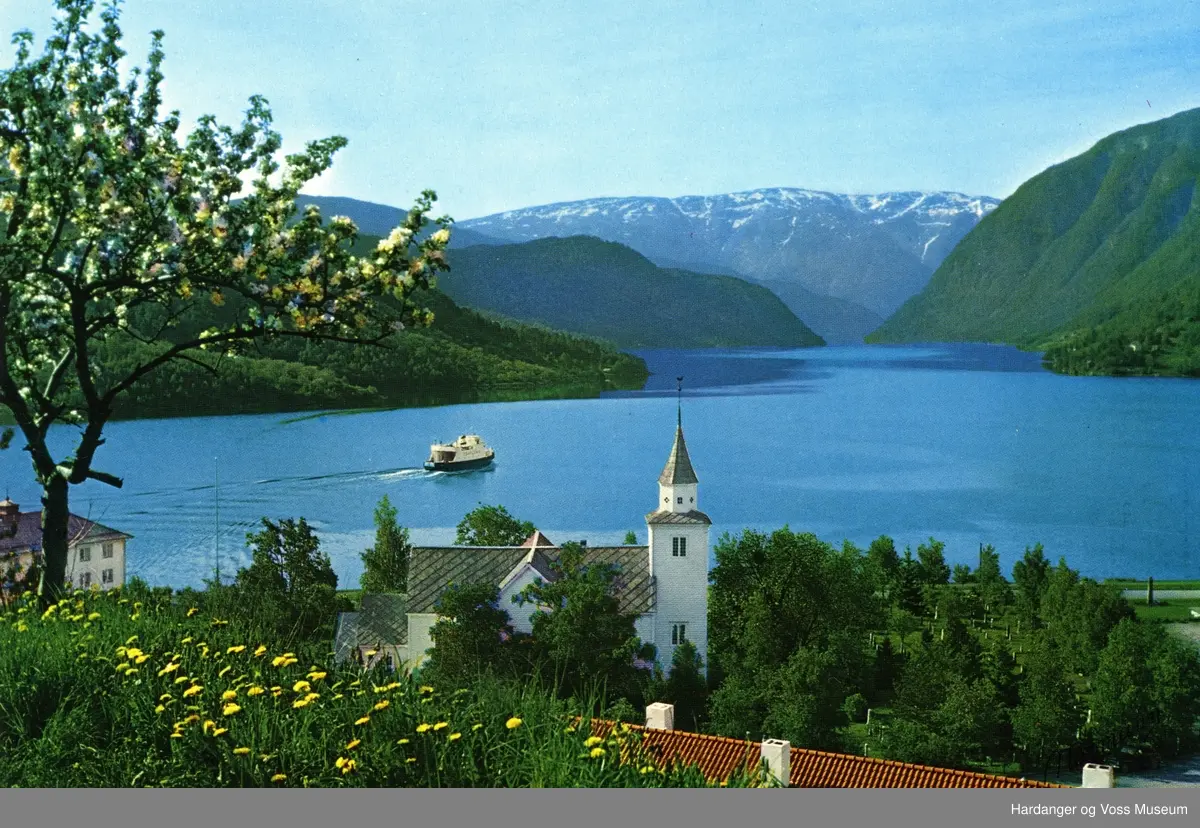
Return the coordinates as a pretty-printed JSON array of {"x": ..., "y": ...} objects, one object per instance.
[
  {"x": 9, "y": 517},
  {"x": 660, "y": 716},
  {"x": 778, "y": 755},
  {"x": 1098, "y": 776}
]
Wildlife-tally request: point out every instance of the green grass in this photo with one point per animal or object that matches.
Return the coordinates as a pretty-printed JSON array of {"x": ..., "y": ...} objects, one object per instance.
[
  {"x": 1131, "y": 583},
  {"x": 105, "y": 692},
  {"x": 1176, "y": 610}
]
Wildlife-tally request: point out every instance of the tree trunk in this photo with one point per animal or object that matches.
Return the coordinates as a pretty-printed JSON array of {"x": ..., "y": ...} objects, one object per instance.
[{"x": 55, "y": 518}]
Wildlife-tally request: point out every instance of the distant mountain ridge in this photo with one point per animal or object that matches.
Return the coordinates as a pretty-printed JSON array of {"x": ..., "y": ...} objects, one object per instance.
[
  {"x": 867, "y": 253},
  {"x": 606, "y": 290},
  {"x": 1108, "y": 241}
]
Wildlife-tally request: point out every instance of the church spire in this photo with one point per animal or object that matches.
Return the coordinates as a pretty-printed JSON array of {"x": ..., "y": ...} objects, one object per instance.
[
  {"x": 678, "y": 470},
  {"x": 679, "y": 403}
]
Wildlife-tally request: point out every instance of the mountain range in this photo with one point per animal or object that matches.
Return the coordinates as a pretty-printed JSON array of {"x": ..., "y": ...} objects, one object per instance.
[
  {"x": 842, "y": 263},
  {"x": 1096, "y": 259}
]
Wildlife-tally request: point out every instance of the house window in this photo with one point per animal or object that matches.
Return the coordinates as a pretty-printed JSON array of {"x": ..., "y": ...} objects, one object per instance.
[
  {"x": 85, "y": 553},
  {"x": 85, "y": 580},
  {"x": 678, "y": 633},
  {"x": 679, "y": 547},
  {"x": 106, "y": 550},
  {"x": 106, "y": 577}
]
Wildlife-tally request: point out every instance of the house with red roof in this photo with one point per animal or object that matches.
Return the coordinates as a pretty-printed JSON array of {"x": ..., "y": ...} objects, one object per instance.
[{"x": 95, "y": 553}]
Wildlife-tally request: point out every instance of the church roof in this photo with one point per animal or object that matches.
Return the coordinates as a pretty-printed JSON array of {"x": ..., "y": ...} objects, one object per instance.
[
  {"x": 679, "y": 517},
  {"x": 382, "y": 620},
  {"x": 433, "y": 569},
  {"x": 679, "y": 466}
]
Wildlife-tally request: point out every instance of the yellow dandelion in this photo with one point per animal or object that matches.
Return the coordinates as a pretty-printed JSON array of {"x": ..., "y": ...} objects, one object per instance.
[
  {"x": 279, "y": 777},
  {"x": 353, "y": 743},
  {"x": 229, "y": 695},
  {"x": 301, "y": 687},
  {"x": 381, "y": 705},
  {"x": 177, "y": 735},
  {"x": 317, "y": 675},
  {"x": 165, "y": 697},
  {"x": 569, "y": 729},
  {"x": 476, "y": 726},
  {"x": 364, "y": 720},
  {"x": 592, "y": 741},
  {"x": 122, "y": 667},
  {"x": 209, "y": 724},
  {"x": 131, "y": 671},
  {"x": 513, "y": 723},
  {"x": 224, "y": 670},
  {"x": 93, "y": 616},
  {"x": 277, "y": 661},
  {"x": 454, "y": 737},
  {"x": 597, "y": 752},
  {"x": 440, "y": 725},
  {"x": 337, "y": 696},
  {"x": 236, "y": 648},
  {"x": 192, "y": 718},
  {"x": 255, "y": 691},
  {"x": 132, "y": 653},
  {"x": 218, "y": 731},
  {"x": 260, "y": 650},
  {"x": 341, "y": 761},
  {"x": 349, "y": 767},
  {"x": 159, "y": 708},
  {"x": 241, "y": 751},
  {"x": 130, "y": 640},
  {"x": 356, "y": 682},
  {"x": 422, "y": 728},
  {"x": 187, "y": 640},
  {"x": 409, "y": 760},
  {"x": 141, "y": 659},
  {"x": 192, "y": 612},
  {"x": 425, "y": 688},
  {"x": 298, "y": 703},
  {"x": 402, "y": 741},
  {"x": 170, "y": 668},
  {"x": 194, "y": 690},
  {"x": 230, "y": 709},
  {"x": 182, "y": 679}
]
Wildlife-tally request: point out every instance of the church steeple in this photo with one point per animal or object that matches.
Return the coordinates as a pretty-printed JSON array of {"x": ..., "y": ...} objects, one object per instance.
[{"x": 677, "y": 483}]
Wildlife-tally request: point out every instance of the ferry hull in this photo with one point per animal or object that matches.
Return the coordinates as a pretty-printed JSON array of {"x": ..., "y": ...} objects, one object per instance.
[{"x": 458, "y": 465}]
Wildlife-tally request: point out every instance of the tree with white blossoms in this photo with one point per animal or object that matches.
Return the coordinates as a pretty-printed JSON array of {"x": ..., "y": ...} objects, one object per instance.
[{"x": 105, "y": 211}]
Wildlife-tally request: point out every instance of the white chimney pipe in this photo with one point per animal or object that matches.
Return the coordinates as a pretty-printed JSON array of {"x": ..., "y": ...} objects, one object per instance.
[
  {"x": 1098, "y": 776},
  {"x": 660, "y": 716},
  {"x": 778, "y": 755}
]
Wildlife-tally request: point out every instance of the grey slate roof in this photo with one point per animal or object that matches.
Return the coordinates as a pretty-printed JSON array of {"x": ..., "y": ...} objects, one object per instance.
[
  {"x": 432, "y": 569},
  {"x": 679, "y": 466},
  {"x": 679, "y": 517},
  {"x": 28, "y": 533},
  {"x": 382, "y": 620}
]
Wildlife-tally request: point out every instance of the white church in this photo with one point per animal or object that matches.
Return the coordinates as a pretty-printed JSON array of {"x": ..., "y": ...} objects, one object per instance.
[{"x": 664, "y": 582}]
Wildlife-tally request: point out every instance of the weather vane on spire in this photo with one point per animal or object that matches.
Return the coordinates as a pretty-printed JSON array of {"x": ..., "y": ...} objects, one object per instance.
[{"x": 679, "y": 401}]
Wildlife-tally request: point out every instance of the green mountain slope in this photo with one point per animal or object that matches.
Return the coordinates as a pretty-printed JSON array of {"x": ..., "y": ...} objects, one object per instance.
[
  {"x": 606, "y": 290},
  {"x": 1108, "y": 239}
]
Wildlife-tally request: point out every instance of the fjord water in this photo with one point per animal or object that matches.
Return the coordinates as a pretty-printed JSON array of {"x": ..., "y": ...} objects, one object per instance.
[{"x": 969, "y": 444}]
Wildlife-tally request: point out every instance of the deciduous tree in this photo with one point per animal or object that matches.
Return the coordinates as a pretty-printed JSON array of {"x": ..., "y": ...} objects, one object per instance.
[
  {"x": 492, "y": 526},
  {"x": 106, "y": 215},
  {"x": 386, "y": 563}
]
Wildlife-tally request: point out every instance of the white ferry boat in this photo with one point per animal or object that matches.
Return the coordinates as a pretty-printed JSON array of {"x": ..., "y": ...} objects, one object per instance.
[{"x": 465, "y": 453}]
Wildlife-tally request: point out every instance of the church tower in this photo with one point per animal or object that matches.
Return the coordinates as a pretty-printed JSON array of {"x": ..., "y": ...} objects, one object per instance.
[{"x": 678, "y": 533}]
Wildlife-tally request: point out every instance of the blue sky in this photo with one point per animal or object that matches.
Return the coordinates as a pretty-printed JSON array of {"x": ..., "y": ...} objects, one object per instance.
[{"x": 498, "y": 105}]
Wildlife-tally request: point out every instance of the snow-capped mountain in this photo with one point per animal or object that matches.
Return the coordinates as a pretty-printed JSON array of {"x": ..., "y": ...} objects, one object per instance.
[{"x": 871, "y": 250}]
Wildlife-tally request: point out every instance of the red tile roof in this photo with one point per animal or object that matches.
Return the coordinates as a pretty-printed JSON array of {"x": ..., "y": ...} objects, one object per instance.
[{"x": 719, "y": 758}]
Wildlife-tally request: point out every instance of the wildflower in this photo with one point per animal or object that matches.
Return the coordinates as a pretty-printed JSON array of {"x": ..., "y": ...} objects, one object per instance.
[
  {"x": 440, "y": 725},
  {"x": 353, "y": 743},
  {"x": 592, "y": 741},
  {"x": 187, "y": 640},
  {"x": 130, "y": 640},
  {"x": 454, "y": 737},
  {"x": 218, "y": 731},
  {"x": 194, "y": 690},
  {"x": 209, "y": 724},
  {"x": 159, "y": 708},
  {"x": 164, "y": 697},
  {"x": 122, "y": 667},
  {"x": 170, "y": 668},
  {"x": 409, "y": 760},
  {"x": 192, "y": 612},
  {"x": 266, "y": 757},
  {"x": 131, "y": 671},
  {"x": 304, "y": 702},
  {"x": 93, "y": 616},
  {"x": 224, "y": 670},
  {"x": 141, "y": 659},
  {"x": 317, "y": 675},
  {"x": 132, "y": 652},
  {"x": 176, "y": 735},
  {"x": 279, "y": 777},
  {"x": 22, "y": 627},
  {"x": 229, "y": 695},
  {"x": 192, "y": 718},
  {"x": 218, "y": 623},
  {"x": 597, "y": 752},
  {"x": 569, "y": 729},
  {"x": 425, "y": 688},
  {"x": 236, "y": 648},
  {"x": 356, "y": 682},
  {"x": 230, "y": 709},
  {"x": 338, "y": 696},
  {"x": 422, "y": 728},
  {"x": 476, "y": 726},
  {"x": 255, "y": 691},
  {"x": 241, "y": 751},
  {"x": 259, "y": 651},
  {"x": 364, "y": 720},
  {"x": 301, "y": 687},
  {"x": 347, "y": 765},
  {"x": 402, "y": 741},
  {"x": 182, "y": 679},
  {"x": 513, "y": 723},
  {"x": 381, "y": 705}
]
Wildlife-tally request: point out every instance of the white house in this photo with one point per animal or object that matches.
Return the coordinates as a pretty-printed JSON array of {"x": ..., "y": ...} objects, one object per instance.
[
  {"x": 664, "y": 582},
  {"x": 95, "y": 553}
]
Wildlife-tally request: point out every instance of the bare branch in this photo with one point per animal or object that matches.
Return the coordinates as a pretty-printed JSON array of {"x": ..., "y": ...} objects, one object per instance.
[{"x": 105, "y": 477}]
